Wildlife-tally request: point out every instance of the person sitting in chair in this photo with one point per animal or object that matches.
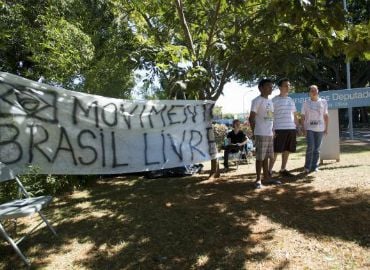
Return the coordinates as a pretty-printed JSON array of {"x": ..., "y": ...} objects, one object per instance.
[{"x": 236, "y": 141}]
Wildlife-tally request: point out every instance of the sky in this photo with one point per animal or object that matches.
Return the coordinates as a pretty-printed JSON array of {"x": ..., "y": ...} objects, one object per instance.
[{"x": 237, "y": 97}]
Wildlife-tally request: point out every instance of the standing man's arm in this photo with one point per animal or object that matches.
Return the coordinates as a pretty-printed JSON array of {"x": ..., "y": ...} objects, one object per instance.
[
  {"x": 298, "y": 124},
  {"x": 302, "y": 122},
  {"x": 252, "y": 121},
  {"x": 326, "y": 120},
  {"x": 296, "y": 120},
  {"x": 303, "y": 118},
  {"x": 304, "y": 131}
]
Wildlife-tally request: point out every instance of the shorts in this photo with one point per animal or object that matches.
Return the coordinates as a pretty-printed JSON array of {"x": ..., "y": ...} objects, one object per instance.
[
  {"x": 264, "y": 147},
  {"x": 285, "y": 140}
]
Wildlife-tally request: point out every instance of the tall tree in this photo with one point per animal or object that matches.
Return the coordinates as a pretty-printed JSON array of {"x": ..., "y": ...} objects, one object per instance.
[
  {"x": 192, "y": 49},
  {"x": 308, "y": 41},
  {"x": 111, "y": 70},
  {"x": 204, "y": 44},
  {"x": 189, "y": 49},
  {"x": 36, "y": 41},
  {"x": 79, "y": 44}
]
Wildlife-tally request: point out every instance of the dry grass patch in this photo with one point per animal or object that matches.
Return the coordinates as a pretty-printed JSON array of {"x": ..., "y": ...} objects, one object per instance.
[{"x": 315, "y": 221}]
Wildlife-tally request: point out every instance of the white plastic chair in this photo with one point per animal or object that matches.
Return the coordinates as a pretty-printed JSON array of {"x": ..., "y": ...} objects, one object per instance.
[
  {"x": 237, "y": 157},
  {"x": 250, "y": 150},
  {"x": 21, "y": 208}
]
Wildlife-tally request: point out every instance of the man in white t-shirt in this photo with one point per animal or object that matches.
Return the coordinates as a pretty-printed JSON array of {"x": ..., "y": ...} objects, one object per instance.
[
  {"x": 261, "y": 121},
  {"x": 285, "y": 126},
  {"x": 315, "y": 121}
]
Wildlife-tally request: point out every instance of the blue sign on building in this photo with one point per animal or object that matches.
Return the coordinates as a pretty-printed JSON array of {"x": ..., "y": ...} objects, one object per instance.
[{"x": 356, "y": 97}]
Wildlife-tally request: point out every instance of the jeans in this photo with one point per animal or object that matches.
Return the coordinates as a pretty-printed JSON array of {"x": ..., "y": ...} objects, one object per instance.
[{"x": 314, "y": 140}]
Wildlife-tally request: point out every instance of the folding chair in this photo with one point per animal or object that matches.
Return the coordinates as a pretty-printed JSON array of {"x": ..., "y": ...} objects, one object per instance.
[
  {"x": 237, "y": 157},
  {"x": 22, "y": 208}
]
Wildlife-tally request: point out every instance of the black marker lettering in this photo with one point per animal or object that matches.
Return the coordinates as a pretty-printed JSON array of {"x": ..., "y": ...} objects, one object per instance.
[
  {"x": 211, "y": 141},
  {"x": 114, "y": 122},
  {"x": 141, "y": 116},
  {"x": 146, "y": 151},
  {"x": 173, "y": 144},
  {"x": 4, "y": 141},
  {"x": 170, "y": 114},
  {"x": 102, "y": 147},
  {"x": 163, "y": 147},
  {"x": 64, "y": 134},
  {"x": 35, "y": 145},
  {"x": 115, "y": 164},
  {"x": 127, "y": 118},
  {"x": 84, "y": 146},
  {"x": 153, "y": 109},
  {"x": 193, "y": 146},
  {"x": 193, "y": 113},
  {"x": 77, "y": 104}
]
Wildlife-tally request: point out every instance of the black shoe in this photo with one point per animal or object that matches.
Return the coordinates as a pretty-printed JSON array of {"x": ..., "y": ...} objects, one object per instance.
[
  {"x": 286, "y": 173},
  {"x": 273, "y": 182}
]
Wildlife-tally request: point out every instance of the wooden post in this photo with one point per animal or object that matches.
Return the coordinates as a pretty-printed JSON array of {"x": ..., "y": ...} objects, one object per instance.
[{"x": 215, "y": 169}]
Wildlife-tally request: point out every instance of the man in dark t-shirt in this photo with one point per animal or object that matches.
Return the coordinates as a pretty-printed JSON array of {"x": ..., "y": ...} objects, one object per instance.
[{"x": 236, "y": 141}]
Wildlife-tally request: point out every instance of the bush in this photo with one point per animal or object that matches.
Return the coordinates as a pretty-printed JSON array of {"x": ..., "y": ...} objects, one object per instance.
[
  {"x": 38, "y": 184},
  {"x": 220, "y": 132},
  {"x": 246, "y": 128}
]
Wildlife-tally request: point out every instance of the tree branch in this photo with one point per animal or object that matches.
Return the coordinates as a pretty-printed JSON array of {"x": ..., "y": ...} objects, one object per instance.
[
  {"x": 184, "y": 24},
  {"x": 225, "y": 76},
  {"x": 151, "y": 26},
  {"x": 321, "y": 79},
  {"x": 361, "y": 77},
  {"x": 211, "y": 32}
]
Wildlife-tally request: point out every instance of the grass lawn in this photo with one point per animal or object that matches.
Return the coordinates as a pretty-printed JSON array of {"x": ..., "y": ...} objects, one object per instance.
[{"x": 315, "y": 221}]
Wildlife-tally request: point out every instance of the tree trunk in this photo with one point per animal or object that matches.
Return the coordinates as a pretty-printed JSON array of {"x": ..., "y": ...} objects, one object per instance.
[{"x": 215, "y": 169}]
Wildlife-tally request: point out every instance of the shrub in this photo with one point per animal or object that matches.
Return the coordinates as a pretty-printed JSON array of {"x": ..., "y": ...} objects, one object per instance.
[
  {"x": 38, "y": 184},
  {"x": 220, "y": 132},
  {"x": 246, "y": 128}
]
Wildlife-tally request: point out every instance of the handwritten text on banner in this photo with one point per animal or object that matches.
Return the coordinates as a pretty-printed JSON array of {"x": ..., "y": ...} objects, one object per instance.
[{"x": 66, "y": 132}]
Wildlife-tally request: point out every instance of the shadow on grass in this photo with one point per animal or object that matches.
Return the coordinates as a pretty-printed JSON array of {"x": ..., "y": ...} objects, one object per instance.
[
  {"x": 183, "y": 223},
  {"x": 346, "y": 146},
  {"x": 354, "y": 148},
  {"x": 324, "y": 167}
]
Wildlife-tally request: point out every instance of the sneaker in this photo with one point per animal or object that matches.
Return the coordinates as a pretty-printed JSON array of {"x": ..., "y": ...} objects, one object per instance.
[
  {"x": 306, "y": 171},
  {"x": 274, "y": 182},
  {"x": 258, "y": 185},
  {"x": 286, "y": 173}
]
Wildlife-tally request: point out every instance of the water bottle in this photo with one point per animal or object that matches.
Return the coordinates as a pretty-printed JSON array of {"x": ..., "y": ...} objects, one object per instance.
[{"x": 226, "y": 141}]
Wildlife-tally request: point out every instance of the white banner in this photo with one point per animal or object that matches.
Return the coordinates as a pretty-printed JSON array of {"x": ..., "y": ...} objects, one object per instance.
[{"x": 65, "y": 132}]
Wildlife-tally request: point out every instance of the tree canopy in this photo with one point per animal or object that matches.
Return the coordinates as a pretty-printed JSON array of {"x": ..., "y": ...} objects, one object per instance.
[
  {"x": 309, "y": 42},
  {"x": 82, "y": 45},
  {"x": 182, "y": 48}
]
